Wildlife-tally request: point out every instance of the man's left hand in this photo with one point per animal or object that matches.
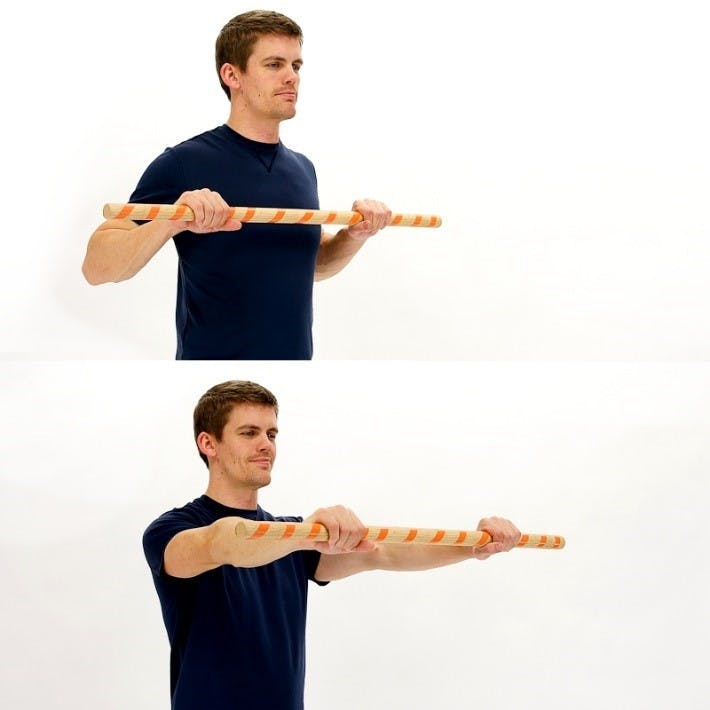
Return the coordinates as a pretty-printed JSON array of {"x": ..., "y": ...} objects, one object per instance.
[
  {"x": 504, "y": 537},
  {"x": 375, "y": 216}
]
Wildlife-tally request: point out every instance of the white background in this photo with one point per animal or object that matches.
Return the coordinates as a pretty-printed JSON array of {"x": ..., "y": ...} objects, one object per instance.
[
  {"x": 564, "y": 144},
  {"x": 566, "y": 147},
  {"x": 612, "y": 456}
]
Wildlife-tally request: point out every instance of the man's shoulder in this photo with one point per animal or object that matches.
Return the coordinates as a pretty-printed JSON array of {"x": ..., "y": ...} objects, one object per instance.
[
  {"x": 296, "y": 156},
  {"x": 212, "y": 139},
  {"x": 193, "y": 513}
]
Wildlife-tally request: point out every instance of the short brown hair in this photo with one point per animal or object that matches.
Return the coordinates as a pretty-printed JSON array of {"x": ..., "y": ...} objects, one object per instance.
[
  {"x": 238, "y": 37},
  {"x": 215, "y": 406}
]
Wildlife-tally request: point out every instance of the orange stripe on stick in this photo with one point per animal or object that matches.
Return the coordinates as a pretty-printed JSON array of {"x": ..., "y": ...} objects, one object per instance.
[{"x": 260, "y": 531}]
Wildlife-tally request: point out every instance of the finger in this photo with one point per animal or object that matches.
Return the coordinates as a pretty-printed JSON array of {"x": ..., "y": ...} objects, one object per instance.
[
  {"x": 209, "y": 201},
  {"x": 375, "y": 214},
  {"x": 221, "y": 210},
  {"x": 509, "y": 534},
  {"x": 216, "y": 210},
  {"x": 232, "y": 225},
  {"x": 323, "y": 548},
  {"x": 333, "y": 527},
  {"x": 501, "y": 530},
  {"x": 351, "y": 530},
  {"x": 365, "y": 209},
  {"x": 382, "y": 215},
  {"x": 211, "y": 207},
  {"x": 491, "y": 548},
  {"x": 361, "y": 230},
  {"x": 372, "y": 216},
  {"x": 197, "y": 209}
]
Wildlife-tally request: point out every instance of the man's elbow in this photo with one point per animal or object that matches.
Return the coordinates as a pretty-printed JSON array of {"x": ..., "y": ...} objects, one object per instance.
[
  {"x": 97, "y": 273},
  {"x": 322, "y": 272},
  {"x": 92, "y": 275}
]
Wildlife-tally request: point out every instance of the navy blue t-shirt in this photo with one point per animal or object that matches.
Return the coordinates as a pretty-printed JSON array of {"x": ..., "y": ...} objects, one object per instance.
[
  {"x": 245, "y": 295},
  {"x": 237, "y": 635}
]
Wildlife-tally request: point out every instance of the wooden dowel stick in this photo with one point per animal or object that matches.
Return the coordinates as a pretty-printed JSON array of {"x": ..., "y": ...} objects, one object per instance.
[
  {"x": 262, "y": 215},
  {"x": 254, "y": 530}
]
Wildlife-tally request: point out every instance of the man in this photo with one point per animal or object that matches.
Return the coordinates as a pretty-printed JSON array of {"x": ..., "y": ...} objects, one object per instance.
[
  {"x": 235, "y": 609},
  {"x": 246, "y": 295}
]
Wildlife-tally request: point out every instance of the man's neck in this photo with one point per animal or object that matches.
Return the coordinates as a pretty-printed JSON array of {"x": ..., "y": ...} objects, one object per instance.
[
  {"x": 264, "y": 132},
  {"x": 242, "y": 499}
]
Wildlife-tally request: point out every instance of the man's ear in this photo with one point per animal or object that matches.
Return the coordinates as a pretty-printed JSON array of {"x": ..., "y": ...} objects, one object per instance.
[
  {"x": 230, "y": 76},
  {"x": 206, "y": 444}
]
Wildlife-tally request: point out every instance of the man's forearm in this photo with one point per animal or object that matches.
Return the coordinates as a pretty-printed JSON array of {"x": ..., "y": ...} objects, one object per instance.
[
  {"x": 119, "y": 249},
  {"x": 404, "y": 557},
  {"x": 409, "y": 557},
  {"x": 227, "y": 548},
  {"x": 198, "y": 550},
  {"x": 335, "y": 253}
]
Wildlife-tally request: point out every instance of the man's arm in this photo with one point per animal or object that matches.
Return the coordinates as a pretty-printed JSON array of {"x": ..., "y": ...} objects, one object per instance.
[
  {"x": 197, "y": 550},
  {"x": 192, "y": 552},
  {"x": 336, "y": 250},
  {"x": 120, "y": 248},
  {"x": 412, "y": 557}
]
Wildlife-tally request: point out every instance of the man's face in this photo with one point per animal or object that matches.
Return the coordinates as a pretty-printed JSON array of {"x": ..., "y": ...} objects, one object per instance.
[
  {"x": 269, "y": 87},
  {"x": 247, "y": 451}
]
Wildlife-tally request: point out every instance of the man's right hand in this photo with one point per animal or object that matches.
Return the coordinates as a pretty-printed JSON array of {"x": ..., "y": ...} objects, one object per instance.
[
  {"x": 346, "y": 533},
  {"x": 211, "y": 212}
]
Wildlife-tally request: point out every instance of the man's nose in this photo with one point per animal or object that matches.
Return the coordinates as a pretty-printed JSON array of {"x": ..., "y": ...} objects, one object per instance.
[{"x": 265, "y": 442}]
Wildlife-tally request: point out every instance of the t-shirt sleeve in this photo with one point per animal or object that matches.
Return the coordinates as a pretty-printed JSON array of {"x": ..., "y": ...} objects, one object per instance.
[
  {"x": 159, "y": 533},
  {"x": 162, "y": 182},
  {"x": 311, "y": 559}
]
